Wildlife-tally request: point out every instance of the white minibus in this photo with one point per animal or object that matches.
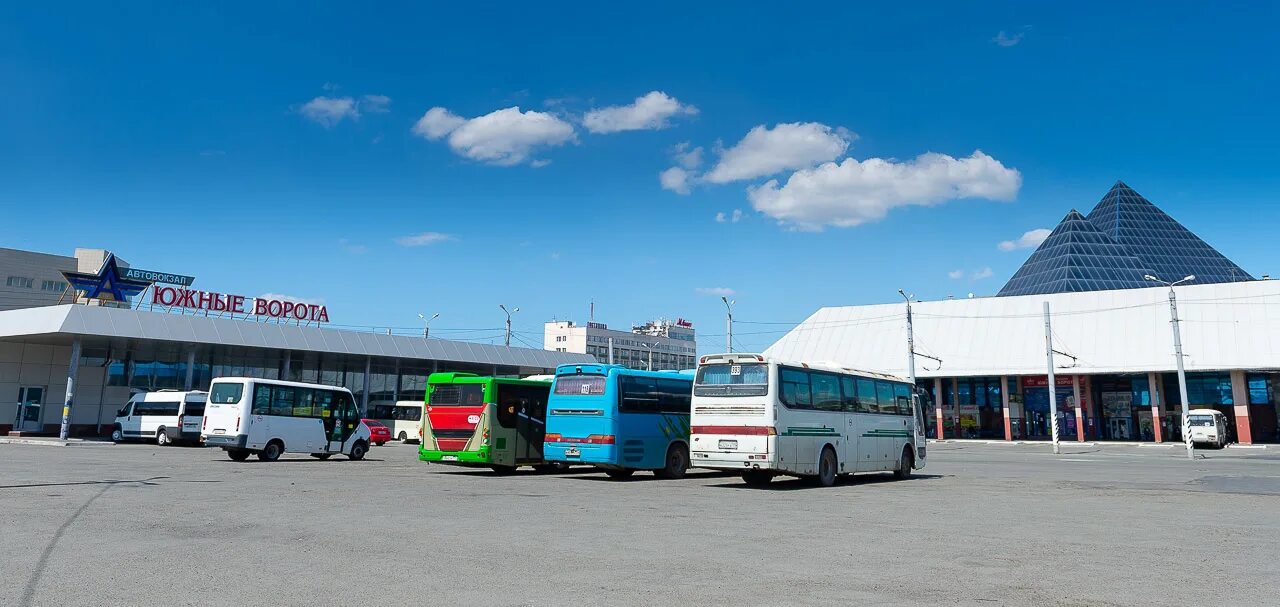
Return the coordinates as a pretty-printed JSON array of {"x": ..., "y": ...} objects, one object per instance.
[
  {"x": 763, "y": 418},
  {"x": 1208, "y": 427},
  {"x": 268, "y": 417},
  {"x": 404, "y": 418},
  {"x": 167, "y": 416}
]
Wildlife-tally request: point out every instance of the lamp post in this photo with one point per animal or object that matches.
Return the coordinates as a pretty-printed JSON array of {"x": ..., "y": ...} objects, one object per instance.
[
  {"x": 650, "y": 348},
  {"x": 1177, "y": 352},
  {"x": 507, "y": 340},
  {"x": 728, "y": 339},
  {"x": 426, "y": 324}
]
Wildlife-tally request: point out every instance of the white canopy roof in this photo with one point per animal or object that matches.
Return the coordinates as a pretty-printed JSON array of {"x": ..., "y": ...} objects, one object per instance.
[
  {"x": 62, "y": 322},
  {"x": 1225, "y": 326}
]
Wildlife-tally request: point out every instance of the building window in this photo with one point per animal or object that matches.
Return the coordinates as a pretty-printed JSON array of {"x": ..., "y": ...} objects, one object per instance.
[
  {"x": 1259, "y": 390},
  {"x": 20, "y": 282},
  {"x": 53, "y": 285}
]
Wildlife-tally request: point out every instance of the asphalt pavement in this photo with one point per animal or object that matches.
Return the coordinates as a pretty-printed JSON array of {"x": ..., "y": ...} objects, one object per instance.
[{"x": 981, "y": 524}]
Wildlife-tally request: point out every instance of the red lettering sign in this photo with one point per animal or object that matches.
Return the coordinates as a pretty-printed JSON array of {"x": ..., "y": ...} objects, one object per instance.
[{"x": 221, "y": 302}]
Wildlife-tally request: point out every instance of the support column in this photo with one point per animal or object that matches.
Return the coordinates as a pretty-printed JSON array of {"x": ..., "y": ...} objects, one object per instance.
[
  {"x": 1157, "y": 406},
  {"x": 1240, "y": 399},
  {"x": 395, "y": 390},
  {"x": 286, "y": 373},
  {"x": 955, "y": 408},
  {"x": 937, "y": 405},
  {"x": 72, "y": 370},
  {"x": 364, "y": 394},
  {"x": 191, "y": 369},
  {"x": 1004, "y": 403},
  {"x": 1091, "y": 412},
  {"x": 1075, "y": 395}
]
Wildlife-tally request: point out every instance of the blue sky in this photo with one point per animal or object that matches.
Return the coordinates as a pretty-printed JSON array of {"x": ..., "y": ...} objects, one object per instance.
[{"x": 288, "y": 148}]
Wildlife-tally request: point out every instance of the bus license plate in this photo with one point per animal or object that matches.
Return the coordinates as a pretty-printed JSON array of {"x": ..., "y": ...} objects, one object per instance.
[
  {"x": 728, "y": 444},
  {"x": 449, "y": 458},
  {"x": 219, "y": 431},
  {"x": 572, "y": 452}
]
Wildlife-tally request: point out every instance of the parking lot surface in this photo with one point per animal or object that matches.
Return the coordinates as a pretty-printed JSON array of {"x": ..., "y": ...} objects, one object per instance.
[{"x": 982, "y": 524}]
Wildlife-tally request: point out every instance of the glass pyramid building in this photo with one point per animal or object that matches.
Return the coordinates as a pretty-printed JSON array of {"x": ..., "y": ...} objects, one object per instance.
[{"x": 1124, "y": 238}]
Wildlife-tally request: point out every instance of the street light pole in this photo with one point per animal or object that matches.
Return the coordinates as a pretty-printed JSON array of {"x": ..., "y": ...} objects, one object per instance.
[
  {"x": 426, "y": 324},
  {"x": 507, "y": 339},
  {"x": 650, "y": 347},
  {"x": 911, "y": 363},
  {"x": 1177, "y": 352},
  {"x": 728, "y": 339}
]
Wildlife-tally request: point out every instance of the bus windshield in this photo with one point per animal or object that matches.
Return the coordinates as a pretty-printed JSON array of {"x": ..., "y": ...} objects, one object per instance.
[
  {"x": 750, "y": 379},
  {"x": 457, "y": 395},
  {"x": 580, "y": 385}
]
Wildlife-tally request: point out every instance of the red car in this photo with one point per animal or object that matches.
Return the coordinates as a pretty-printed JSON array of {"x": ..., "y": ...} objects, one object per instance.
[{"x": 378, "y": 432}]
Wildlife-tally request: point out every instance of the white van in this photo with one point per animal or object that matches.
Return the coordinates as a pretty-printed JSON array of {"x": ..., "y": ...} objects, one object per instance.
[
  {"x": 1208, "y": 427},
  {"x": 167, "y": 416}
]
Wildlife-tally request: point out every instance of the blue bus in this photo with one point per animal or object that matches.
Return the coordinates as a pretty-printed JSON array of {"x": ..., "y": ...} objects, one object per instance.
[{"x": 619, "y": 419}]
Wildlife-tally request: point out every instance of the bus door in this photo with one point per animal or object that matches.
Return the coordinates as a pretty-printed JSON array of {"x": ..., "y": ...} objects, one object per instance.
[
  {"x": 524, "y": 409},
  {"x": 342, "y": 420},
  {"x": 919, "y": 404}
]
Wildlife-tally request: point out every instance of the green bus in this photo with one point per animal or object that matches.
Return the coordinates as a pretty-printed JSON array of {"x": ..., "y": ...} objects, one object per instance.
[{"x": 474, "y": 420}]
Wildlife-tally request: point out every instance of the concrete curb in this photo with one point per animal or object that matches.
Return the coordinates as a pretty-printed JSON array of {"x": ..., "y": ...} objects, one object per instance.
[{"x": 54, "y": 442}]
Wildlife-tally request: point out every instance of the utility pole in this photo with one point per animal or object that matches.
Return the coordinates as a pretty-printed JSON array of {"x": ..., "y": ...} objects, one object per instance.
[
  {"x": 650, "y": 347},
  {"x": 910, "y": 363},
  {"x": 728, "y": 338},
  {"x": 507, "y": 339},
  {"x": 426, "y": 325},
  {"x": 611, "y": 350},
  {"x": 1053, "y": 392},
  {"x": 1177, "y": 353}
]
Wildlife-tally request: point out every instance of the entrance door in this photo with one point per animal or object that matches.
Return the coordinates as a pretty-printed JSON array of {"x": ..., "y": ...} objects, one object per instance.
[
  {"x": 30, "y": 409},
  {"x": 345, "y": 419}
]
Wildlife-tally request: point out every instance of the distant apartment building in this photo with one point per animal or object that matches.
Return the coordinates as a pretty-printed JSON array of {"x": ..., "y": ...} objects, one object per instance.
[{"x": 658, "y": 344}]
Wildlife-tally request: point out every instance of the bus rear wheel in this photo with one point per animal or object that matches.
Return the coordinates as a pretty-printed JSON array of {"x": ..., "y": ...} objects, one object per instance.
[
  {"x": 271, "y": 452},
  {"x": 238, "y": 455},
  {"x": 677, "y": 463},
  {"x": 826, "y": 476},
  {"x": 404, "y": 438},
  {"x": 904, "y": 465},
  {"x": 756, "y": 478},
  {"x": 620, "y": 474}
]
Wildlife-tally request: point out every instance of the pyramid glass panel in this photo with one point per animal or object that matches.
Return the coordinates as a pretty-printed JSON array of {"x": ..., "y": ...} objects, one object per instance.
[{"x": 1124, "y": 238}]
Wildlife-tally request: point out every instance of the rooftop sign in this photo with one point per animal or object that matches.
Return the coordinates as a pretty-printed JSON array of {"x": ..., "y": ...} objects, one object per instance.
[
  {"x": 238, "y": 304},
  {"x": 160, "y": 277}
]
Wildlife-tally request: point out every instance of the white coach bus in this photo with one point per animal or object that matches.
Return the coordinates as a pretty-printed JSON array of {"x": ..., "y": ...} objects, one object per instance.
[
  {"x": 764, "y": 418},
  {"x": 267, "y": 417}
]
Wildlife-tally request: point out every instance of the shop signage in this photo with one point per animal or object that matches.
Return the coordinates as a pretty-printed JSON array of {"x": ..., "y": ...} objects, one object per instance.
[
  {"x": 238, "y": 304},
  {"x": 1041, "y": 381},
  {"x": 160, "y": 277}
]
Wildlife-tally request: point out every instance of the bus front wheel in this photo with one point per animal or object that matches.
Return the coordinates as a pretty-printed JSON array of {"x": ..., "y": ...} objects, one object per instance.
[
  {"x": 620, "y": 474},
  {"x": 677, "y": 463},
  {"x": 358, "y": 451},
  {"x": 238, "y": 455},
  {"x": 904, "y": 465}
]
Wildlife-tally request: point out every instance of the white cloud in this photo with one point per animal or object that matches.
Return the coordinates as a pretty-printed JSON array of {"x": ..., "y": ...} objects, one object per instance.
[
  {"x": 504, "y": 137},
  {"x": 687, "y": 158},
  {"x": 734, "y": 217},
  {"x": 715, "y": 291},
  {"x": 854, "y": 192},
  {"x": 329, "y": 111},
  {"x": 980, "y": 274},
  {"x": 319, "y": 301},
  {"x": 1007, "y": 40},
  {"x": 374, "y": 104},
  {"x": 955, "y": 274},
  {"x": 764, "y": 151},
  {"x": 649, "y": 112},
  {"x": 675, "y": 179},
  {"x": 424, "y": 239},
  {"x": 1029, "y": 239}
]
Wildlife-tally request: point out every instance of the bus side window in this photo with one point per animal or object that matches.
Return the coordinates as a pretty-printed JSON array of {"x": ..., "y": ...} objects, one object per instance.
[
  {"x": 849, "y": 395},
  {"x": 867, "y": 400},
  {"x": 902, "y": 394},
  {"x": 674, "y": 396},
  {"x": 261, "y": 399}
]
